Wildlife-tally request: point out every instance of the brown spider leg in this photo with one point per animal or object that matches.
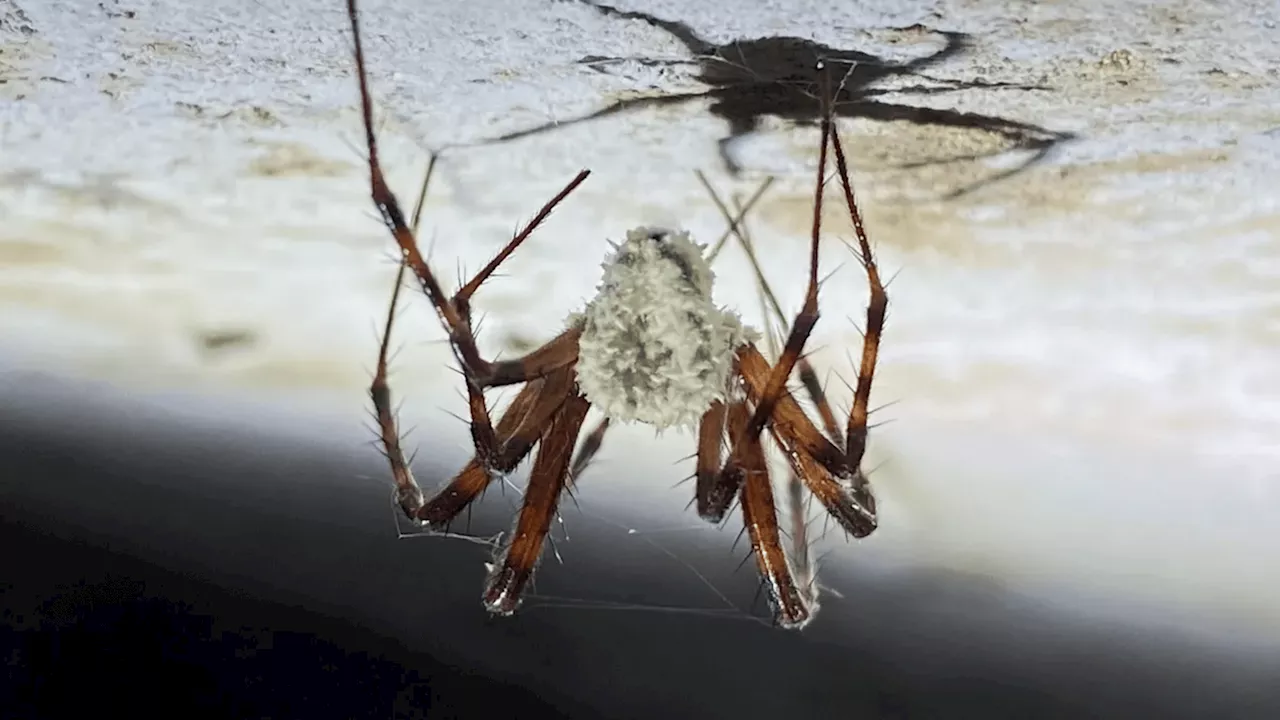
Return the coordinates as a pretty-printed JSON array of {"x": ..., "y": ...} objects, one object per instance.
[
  {"x": 554, "y": 356},
  {"x": 474, "y": 478},
  {"x": 815, "y": 459},
  {"x": 818, "y": 462},
  {"x": 818, "y": 395},
  {"x": 557, "y": 352},
  {"x": 807, "y": 318},
  {"x": 807, "y": 374},
  {"x": 518, "y": 428},
  {"x": 856, "y": 438},
  {"x": 517, "y": 431},
  {"x": 853, "y": 506},
  {"x": 802, "y": 565},
  {"x": 838, "y": 483},
  {"x": 823, "y": 467},
  {"x": 513, "y": 570},
  {"x": 716, "y": 490},
  {"x": 713, "y": 493},
  {"x": 454, "y": 312},
  {"x": 750, "y": 364},
  {"x": 760, "y": 518},
  {"x": 408, "y": 493}
]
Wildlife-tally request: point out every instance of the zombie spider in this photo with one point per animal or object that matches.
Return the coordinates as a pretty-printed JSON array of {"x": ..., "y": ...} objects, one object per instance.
[
  {"x": 650, "y": 347},
  {"x": 749, "y": 79}
]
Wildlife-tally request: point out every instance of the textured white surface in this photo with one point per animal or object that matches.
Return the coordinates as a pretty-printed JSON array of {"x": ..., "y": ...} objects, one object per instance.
[
  {"x": 1085, "y": 355},
  {"x": 655, "y": 347}
]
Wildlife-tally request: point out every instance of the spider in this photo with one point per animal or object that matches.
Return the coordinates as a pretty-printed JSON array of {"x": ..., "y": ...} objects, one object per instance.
[
  {"x": 650, "y": 347},
  {"x": 751, "y": 78}
]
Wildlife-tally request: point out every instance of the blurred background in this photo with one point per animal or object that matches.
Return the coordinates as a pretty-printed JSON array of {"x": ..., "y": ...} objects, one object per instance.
[{"x": 1078, "y": 483}]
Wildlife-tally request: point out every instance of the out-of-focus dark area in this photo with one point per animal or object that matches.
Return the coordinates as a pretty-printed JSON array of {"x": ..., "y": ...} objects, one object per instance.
[{"x": 155, "y": 566}]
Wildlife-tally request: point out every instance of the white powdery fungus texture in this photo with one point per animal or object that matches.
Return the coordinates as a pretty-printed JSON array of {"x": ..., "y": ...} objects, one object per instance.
[{"x": 654, "y": 347}]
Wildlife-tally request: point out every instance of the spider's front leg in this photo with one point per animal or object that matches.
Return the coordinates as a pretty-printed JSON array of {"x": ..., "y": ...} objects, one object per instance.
[
  {"x": 877, "y": 308},
  {"x": 518, "y": 430},
  {"x": 544, "y": 370},
  {"x": 454, "y": 312},
  {"x": 829, "y": 465},
  {"x": 747, "y": 468}
]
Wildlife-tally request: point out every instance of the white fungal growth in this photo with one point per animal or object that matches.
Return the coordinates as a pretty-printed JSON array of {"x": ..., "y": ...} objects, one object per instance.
[{"x": 654, "y": 347}]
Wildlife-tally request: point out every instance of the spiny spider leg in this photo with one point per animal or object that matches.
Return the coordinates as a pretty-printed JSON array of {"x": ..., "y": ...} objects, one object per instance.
[
  {"x": 823, "y": 466},
  {"x": 760, "y": 518},
  {"x": 408, "y": 493},
  {"x": 856, "y": 437},
  {"x": 817, "y": 394},
  {"x": 819, "y": 463},
  {"x": 746, "y": 467},
  {"x": 543, "y": 363},
  {"x": 808, "y": 315},
  {"x": 715, "y": 490},
  {"x": 436, "y": 514},
  {"x": 518, "y": 429},
  {"x": 711, "y": 495},
  {"x": 513, "y": 569},
  {"x": 454, "y": 312},
  {"x": 808, "y": 376},
  {"x": 802, "y": 565}
]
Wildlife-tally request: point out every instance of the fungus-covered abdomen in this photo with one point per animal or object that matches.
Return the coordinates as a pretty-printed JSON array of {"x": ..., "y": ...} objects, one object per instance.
[{"x": 654, "y": 347}]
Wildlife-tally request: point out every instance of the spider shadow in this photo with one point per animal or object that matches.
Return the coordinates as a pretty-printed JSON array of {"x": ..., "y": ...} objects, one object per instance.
[{"x": 750, "y": 79}]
